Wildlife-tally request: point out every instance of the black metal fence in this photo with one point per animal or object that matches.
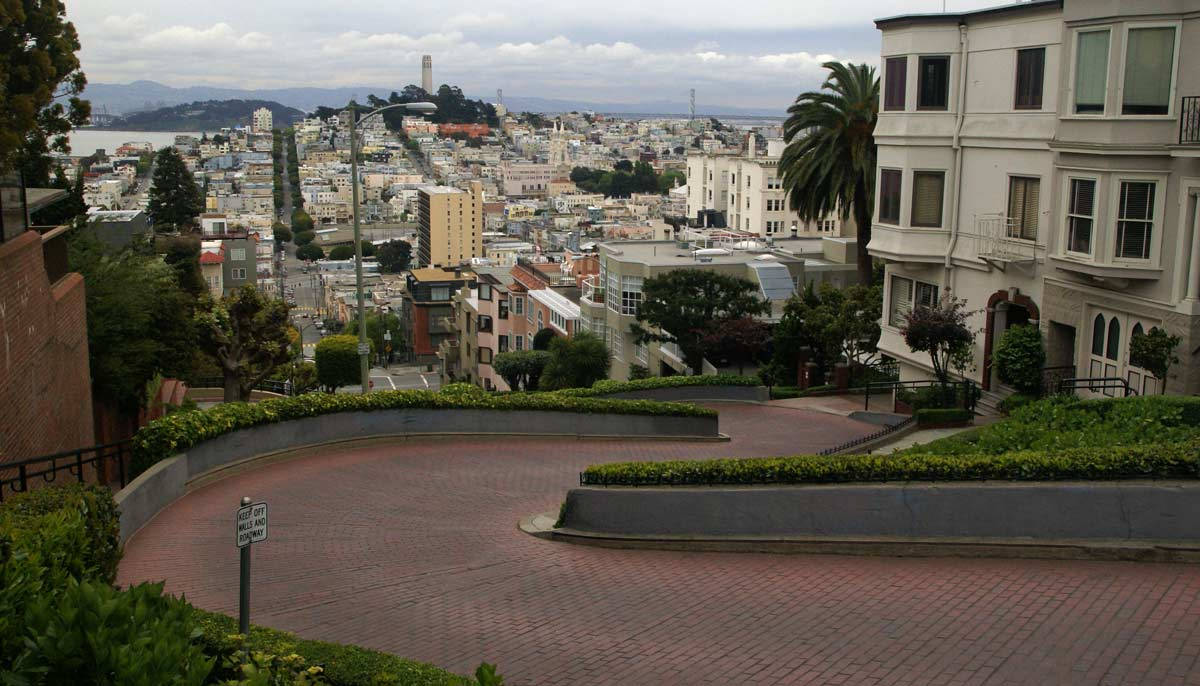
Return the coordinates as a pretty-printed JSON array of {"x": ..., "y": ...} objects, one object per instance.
[
  {"x": 881, "y": 371},
  {"x": 1189, "y": 120},
  {"x": 269, "y": 385},
  {"x": 107, "y": 464},
  {"x": 1102, "y": 384},
  {"x": 926, "y": 393},
  {"x": 885, "y": 431}
]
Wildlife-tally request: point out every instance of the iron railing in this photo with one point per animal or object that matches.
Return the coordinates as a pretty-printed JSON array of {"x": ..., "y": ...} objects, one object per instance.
[
  {"x": 1098, "y": 384},
  {"x": 268, "y": 385},
  {"x": 105, "y": 464},
  {"x": 998, "y": 237},
  {"x": 1052, "y": 377},
  {"x": 884, "y": 370},
  {"x": 885, "y": 431},
  {"x": 1189, "y": 120}
]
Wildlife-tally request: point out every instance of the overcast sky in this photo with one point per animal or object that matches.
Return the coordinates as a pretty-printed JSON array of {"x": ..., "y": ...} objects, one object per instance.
[{"x": 753, "y": 53}]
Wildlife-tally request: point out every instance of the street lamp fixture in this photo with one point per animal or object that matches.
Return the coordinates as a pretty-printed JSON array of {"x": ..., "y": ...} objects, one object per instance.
[{"x": 364, "y": 350}]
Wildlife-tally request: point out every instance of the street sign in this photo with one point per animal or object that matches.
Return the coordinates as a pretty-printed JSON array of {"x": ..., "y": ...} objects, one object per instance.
[
  {"x": 364, "y": 349},
  {"x": 251, "y": 524}
]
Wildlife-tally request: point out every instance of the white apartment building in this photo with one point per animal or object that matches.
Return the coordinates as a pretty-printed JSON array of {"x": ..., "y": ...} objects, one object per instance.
[
  {"x": 526, "y": 179},
  {"x": 1032, "y": 159},
  {"x": 748, "y": 191},
  {"x": 262, "y": 121}
]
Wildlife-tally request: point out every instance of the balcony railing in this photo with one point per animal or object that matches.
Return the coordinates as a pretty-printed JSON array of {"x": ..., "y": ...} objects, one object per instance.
[
  {"x": 593, "y": 291},
  {"x": 999, "y": 242},
  {"x": 1189, "y": 121}
]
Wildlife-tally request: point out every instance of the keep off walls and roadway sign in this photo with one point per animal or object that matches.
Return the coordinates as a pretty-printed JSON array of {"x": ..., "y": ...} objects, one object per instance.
[{"x": 251, "y": 528}]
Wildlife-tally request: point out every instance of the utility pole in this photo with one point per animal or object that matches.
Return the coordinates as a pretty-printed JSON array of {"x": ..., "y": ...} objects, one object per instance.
[{"x": 364, "y": 350}]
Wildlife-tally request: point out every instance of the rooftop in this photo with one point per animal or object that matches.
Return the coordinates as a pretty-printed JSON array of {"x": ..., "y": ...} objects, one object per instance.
[
  {"x": 958, "y": 17},
  {"x": 440, "y": 189},
  {"x": 434, "y": 274}
]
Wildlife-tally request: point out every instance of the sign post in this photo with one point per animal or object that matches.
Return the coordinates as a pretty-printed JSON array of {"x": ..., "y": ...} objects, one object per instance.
[{"x": 251, "y": 528}]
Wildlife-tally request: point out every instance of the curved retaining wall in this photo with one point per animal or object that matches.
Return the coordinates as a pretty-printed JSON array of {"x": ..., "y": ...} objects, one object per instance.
[
  {"x": 696, "y": 393},
  {"x": 985, "y": 511},
  {"x": 168, "y": 480}
]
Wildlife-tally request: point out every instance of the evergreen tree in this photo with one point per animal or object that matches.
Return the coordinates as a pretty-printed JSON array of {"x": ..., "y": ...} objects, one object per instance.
[{"x": 175, "y": 201}]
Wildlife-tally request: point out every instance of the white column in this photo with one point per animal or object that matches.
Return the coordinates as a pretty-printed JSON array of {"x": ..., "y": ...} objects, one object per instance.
[{"x": 1193, "y": 284}]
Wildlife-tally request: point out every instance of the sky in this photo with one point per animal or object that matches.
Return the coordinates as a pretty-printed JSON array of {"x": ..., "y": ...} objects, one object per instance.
[{"x": 755, "y": 53}]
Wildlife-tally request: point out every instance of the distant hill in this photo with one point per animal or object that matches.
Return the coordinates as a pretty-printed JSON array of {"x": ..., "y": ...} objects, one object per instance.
[
  {"x": 205, "y": 115},
  {"x": 123, "y": 98}
]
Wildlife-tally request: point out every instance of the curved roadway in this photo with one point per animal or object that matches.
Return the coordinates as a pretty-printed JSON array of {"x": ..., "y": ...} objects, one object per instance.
[{"x": 412, "y": 547}]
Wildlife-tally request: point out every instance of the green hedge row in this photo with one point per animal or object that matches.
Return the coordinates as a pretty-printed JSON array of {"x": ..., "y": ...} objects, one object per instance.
[
  {"x": 785, "y": 392},
  {"x": 87, "y": 508},
  {"x": 177, "y": 432},
  {"x": 943, "y": 416},
  {"x": 344, "y": 665},
  {"x": 1177, "y": 460},
  {"x": 609, "y": 386}
]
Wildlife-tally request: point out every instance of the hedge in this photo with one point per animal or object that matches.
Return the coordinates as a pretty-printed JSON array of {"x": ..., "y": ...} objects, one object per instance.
[
  {"x": 33, "y": 513},
  {"x": 785, "y": 392},
  {"x": 174, "y": 433},
  {"x": 609, "y": 386},
  {"x": 344, "y": 665},
  {"x": 943, "y": 416},
  {"x": 1155, "y": 461}
]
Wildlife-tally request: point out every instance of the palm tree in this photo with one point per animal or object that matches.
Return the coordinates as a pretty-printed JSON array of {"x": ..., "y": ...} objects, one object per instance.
[{"x": 829, "y": 162}]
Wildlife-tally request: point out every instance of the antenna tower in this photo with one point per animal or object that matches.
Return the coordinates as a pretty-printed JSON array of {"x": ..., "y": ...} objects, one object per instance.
[{"x": 693, "y": 103}]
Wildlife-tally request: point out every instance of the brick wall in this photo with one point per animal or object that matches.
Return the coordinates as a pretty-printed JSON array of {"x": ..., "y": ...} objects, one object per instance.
[{"x": 45, "y": 385}]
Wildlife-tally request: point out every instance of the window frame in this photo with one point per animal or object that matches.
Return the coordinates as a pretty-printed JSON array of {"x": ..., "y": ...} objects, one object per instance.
[
  {"x": 912, "y": 208},
  {"x": 1071, "y": 112},
  {"x": 1041, "y": 86},
  {"x": 899, "y": 197},
  {"x": 1008, "y": 205},
  {"x": 1067, "y": 214},
  {"x": 921, "y": 59},
  {"x": 887, "y": 83},
  {"x": 1119, "y": 106},
  {"x": 1156, "y": 221}
]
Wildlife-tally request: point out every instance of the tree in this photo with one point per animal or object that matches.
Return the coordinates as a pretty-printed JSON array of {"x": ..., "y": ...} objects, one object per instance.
[
  {"x": 303, "y": 376},
  {"x": 309, "y": 252},
  {"x": 940, "y": 330},
  {"x": 247, "y": 333},
  {"x": 623, "y": 166},
  {"x": 138, "y": 320},
  {"x": 377, "y": 325},
  {"x": 829, "y": 163},
  {"x": 737, "y": 339},
  {"x": 341, "y": 252},
  {"x": 175, "y": 201},
  {"x": 337, "y": 362},
  {"x": 771, "y": 375},
  {"x": 576, "y": 362},
  {"x": 302, "y": 238},
  {"x": 394, "y": 256},
  {"x": 1019, "y": 358},
  {"x": 40, "y": 79},
  {"x": 282, "y": 234},
  {"x": 1154, "y": 352},
  {"x": 521, "y": 369},
  {"x": 832, "y": 324},
  {"x": 541, "y": 339},
  {"x": 183, "y": 254},
  {"x": 301, "y": 222},
  {"x": 682, "y": 305}
]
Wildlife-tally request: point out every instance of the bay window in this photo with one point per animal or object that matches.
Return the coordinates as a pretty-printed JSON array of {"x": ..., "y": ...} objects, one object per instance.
[
  {"x": 1081, "y": 215},
  {"x": 933, "y": 83},
  {"x": 1091, "y": 71},
  {"x": 928, "y": 192},
  {"x": 1149, "y": 70},
  {"x": 1135, "y": 220}
]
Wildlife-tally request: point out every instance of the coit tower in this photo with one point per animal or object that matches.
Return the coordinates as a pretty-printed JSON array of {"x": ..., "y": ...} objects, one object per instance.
[{"x": 427, "y": 73}]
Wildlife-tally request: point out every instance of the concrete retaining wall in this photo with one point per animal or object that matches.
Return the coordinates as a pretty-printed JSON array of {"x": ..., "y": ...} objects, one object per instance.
[
  {"x": 696, "y": 393},
  {"x": 1038, "y": 511},
  {"x": 168, "y": 480}
]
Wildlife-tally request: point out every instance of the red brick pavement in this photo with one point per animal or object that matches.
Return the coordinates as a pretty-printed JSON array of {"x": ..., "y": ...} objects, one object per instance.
[{"x": 413, "y": 548}]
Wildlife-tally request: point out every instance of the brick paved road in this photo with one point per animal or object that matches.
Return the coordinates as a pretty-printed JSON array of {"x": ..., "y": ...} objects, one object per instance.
[{"x": 413, "y": 548}]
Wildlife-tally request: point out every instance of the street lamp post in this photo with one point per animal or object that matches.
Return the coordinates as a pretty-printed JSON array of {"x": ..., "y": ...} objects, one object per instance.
[
  {"x": 387, "y": 348},
  {"x": 364, "y": 350}
]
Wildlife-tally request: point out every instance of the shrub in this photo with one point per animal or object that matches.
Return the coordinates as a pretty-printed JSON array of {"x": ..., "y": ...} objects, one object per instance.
[
  {"x": 521, "y": 369},
  {"x": 337, "y": 362},
  {"x": 138, "y": 637},
  {"x": 1019, "y": 358},
  {"x": 637, "y": 371},
  {"x": 1158, "y": 461},
  {"x": 785, "y": 392},
  {"x": 1014, "y": 401},
  {"x": 175, "y": 433},
  {"x": 344, "y": 665},
  {"x": 98, "y": 556},
  {"x": 939, "y": 396},
  {"x": 610, "y": 386},
  {"x": 943, "y": 416},
  {"x": 541, "y": 339}
]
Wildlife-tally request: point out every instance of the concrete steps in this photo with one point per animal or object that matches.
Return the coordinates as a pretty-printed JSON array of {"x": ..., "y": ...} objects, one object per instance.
[{"x": 988, "y": 404}]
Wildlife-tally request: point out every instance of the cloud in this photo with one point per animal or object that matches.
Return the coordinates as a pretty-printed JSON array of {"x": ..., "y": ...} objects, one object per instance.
[
  {"x": 216, "y": 38},
  {"x": 468, "y": 20}
]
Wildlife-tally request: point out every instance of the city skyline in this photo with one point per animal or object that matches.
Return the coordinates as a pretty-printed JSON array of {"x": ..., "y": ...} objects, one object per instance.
[{"x": 760, "y": 56}]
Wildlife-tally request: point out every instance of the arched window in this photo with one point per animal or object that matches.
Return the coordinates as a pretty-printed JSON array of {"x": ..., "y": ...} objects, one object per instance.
[
  {"x": 1114, "y": 339},
  {"x": 1098, "y": 335},
  {"x": 1137, "y": 329}
]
